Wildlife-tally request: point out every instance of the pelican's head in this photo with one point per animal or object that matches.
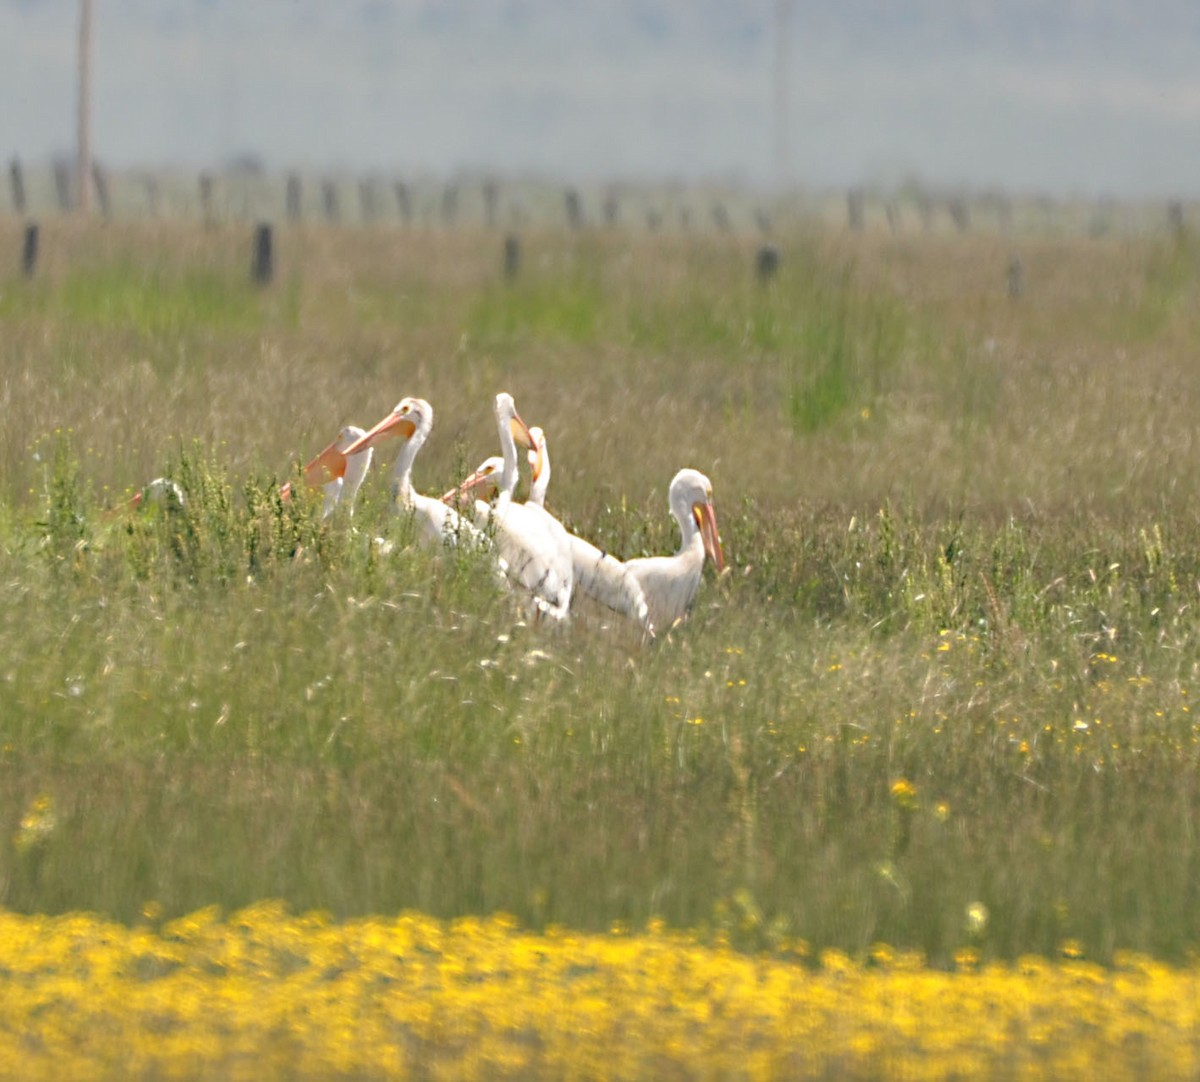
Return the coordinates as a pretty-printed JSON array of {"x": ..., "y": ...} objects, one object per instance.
[
  {"x": 330, "y": 464},
  {"x": 691, "y": 494},
  {"x": 486, "y": 477},
  {"x": 506, "y": 413},
  {"x": 411, "y": 415},
  {"x": 161, "y": 492}
]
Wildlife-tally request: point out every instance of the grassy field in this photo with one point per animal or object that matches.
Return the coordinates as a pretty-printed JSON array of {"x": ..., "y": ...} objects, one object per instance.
[{"x": 941, "y": 699}]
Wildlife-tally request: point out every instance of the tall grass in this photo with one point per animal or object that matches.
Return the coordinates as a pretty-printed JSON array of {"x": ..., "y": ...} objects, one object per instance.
[{"x": 948, "y": 674}]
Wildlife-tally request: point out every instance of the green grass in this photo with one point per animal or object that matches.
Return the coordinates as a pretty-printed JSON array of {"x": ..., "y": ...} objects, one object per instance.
[{"x": 951, "y": 663}]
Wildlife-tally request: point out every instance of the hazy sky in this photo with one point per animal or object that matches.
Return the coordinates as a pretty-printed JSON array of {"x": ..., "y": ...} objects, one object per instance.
[{"x": 1062, "y": 96}]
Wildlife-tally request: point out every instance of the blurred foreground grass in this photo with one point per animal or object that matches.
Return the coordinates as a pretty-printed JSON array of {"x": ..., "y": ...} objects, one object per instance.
[{"x": 264, "y": 995}]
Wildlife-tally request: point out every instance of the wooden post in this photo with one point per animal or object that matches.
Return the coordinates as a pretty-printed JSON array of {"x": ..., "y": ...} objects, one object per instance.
[
  {"x": 574, "y": 208},
  {"x": 1175, "y": 216},
  {"x": 329, "y": 200},
  {"x": 366, "y": 197},
  {"x": 262, "y": 267},
  {"x": 29, "y": 253},
  {"x": 721, "y": 217},
  {"x": 100, "y": 178},
  {"x": 512, "y": 255},
  {"x": 403, "y": 202},
  {"x": 767, "y": 263},
  {"x": 18, "y": 186},
  {"x": 450, "y": 204},
  {"x": 1016, "y": 275},
  {"x": 612, "y": 209},
  {"x": 83, "y": 167},
  {"x": 62, "y": 184},
  {"x": 491, "y": 202},
  {"x": 960, "y": 214},
  {"x": 206, "y": 198},
  {"x": 855, "y": 213},
  {"x": 925, "y": 211},
  {"x": 294, "y": 198},
  {"x": 152, "y": 199}
]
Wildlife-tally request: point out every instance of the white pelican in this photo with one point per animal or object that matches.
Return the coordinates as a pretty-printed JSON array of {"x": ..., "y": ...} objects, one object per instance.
[
  {"x": 412, "y": 421},
  {"x": 670, "y": 582},
  {"x": 339, "y": 474},
  {"x": 600, "y": 576},
  {"x": 534, "y": 546},
  {"x": 161, "y": 492}
]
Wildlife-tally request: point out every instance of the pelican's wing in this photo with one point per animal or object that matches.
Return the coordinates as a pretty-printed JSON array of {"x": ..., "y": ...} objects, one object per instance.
[{"x": 605, "y": 579}]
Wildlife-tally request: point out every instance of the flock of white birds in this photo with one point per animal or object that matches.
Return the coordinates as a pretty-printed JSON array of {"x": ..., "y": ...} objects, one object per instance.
[{"x": 535, "y": 554}]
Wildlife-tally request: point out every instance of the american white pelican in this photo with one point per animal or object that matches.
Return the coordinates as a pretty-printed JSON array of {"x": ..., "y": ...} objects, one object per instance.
[
  {"x": 534, "y": 546},
  {"x": 339, "y": 474},
  {"x": 412, "y": 421},
  {"x": 161, "y": 492},
  {"x": 670, "y": 582},
  {"x": 486, "y": 481},
  {"x": 600, "y": 576}
]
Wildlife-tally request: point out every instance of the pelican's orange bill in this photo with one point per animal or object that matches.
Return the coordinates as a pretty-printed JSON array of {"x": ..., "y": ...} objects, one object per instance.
[
  {"x": 536, "y": 460},
  {"x": 706, "y": 519},
  {"x": 328, "y": 466},
  {"x": 481, "y": 476},
  {"x": 521, "y": 433},
  {"x": 394, "y": 424}
]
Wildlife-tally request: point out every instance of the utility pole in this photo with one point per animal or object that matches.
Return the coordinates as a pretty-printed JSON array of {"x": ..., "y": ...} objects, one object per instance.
[
  {"x": 783, "y": 164},
  {"x": 83, "y": 168}
]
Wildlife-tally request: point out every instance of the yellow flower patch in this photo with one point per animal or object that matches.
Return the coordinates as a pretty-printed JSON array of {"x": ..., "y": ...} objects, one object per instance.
[{"x": 266, "y": 994}]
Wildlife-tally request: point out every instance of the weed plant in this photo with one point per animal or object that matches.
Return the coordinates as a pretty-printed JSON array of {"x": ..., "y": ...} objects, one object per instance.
[{"x": 941, "y": 699}]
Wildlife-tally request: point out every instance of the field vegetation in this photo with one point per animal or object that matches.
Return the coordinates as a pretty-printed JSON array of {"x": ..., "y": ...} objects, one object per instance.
[{"x": 941, "y": 700}]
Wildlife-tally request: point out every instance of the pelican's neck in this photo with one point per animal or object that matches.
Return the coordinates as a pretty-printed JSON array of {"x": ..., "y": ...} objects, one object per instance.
[
  {"x": 356, "y": 469},
  {"x": 402, "y": 492},
  {"x": 508, "y": 474},
  {"x": 689, "y": 532}
]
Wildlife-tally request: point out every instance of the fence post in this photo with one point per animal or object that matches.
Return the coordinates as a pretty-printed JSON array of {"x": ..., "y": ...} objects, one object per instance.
[
  {"x": 612, "y": 209},
  {"x": 1175, "y": 216},
  {"x": 767, "y": 263},
  {"x": 206, "y": 197},
  {"x": 574, "y": 208},
  {"x": 491, "y": 202},
  {"x": 512, "y": 255},
  {"x": 366, "y": 196},
  {"x": 29, "y": 253},
  {"x": 855, "y": 209},
  {"x": 450, "y": 204},
  {"x": 100, "y": 178},
  {"x": 18, "y": 186},
  {"x": 1016, "y": 277},
  {"x": 294, "y": 198},
  {"x": 403, "y": 202},
  {"x": 62, "y": 182},
  {"x": 329, "y": 200},
  {"x": 262, "y": 267}
]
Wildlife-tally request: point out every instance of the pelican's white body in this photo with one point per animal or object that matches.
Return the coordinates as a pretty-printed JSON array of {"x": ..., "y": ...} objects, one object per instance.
[
  {"x": 598, "y": 575},
  {"x": 669, "y": 583}
]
